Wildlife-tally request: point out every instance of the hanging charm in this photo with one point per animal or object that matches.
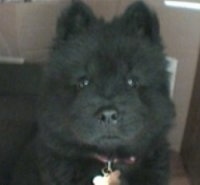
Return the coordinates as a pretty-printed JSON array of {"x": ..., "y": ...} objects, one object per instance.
[{"x": 108, "y": 177}]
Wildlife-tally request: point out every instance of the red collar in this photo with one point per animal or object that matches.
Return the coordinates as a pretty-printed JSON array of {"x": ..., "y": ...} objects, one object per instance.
[{"x": 104, "y": 159}]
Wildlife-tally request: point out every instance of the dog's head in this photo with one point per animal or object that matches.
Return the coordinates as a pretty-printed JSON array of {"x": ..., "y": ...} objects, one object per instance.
[{"x": 106, "y": 83}]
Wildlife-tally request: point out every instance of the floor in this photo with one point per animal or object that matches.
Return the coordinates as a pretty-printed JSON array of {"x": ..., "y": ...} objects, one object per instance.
[{"x": 179, "y": 176}]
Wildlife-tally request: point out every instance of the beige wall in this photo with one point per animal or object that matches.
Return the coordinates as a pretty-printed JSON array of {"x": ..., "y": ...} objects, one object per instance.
[
  {"x": 181, "y": 32},
  {"x": 27, "y": 29},
  {"x": 182, "y": 41}
]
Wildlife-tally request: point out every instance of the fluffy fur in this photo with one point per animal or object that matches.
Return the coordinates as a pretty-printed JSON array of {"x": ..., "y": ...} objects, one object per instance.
[{"x": 105, "y": 97}]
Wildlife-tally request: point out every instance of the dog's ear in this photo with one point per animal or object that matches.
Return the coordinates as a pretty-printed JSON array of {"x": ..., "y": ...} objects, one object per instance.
[
  {"x": 75, "y": 19},
  {"x": 139, "y": 19}
]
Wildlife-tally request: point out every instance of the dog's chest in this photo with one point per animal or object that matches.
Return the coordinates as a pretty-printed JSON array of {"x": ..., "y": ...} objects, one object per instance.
[{"x": 65, "y": 173}]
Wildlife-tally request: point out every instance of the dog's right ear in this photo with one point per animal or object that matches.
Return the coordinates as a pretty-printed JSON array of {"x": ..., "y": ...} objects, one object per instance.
[
  {"x": 140, "y": 20},
  {"x": 75, "y": 19}
]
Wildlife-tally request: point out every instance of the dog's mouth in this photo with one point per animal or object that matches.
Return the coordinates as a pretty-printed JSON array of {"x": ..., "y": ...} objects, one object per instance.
[
  {"x": 110, "y": 141},
  {"x": 110, "y": 138}
]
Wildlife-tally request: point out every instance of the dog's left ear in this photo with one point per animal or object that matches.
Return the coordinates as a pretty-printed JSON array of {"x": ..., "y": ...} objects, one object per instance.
[
  {"x": 139, "y": 19},
  {"x": 74, "y": 20}
]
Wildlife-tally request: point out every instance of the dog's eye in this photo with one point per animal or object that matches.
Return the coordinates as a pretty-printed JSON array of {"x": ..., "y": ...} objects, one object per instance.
[
  {"x": 83, "y": 82},
  {"x": 133, "y": 83}
]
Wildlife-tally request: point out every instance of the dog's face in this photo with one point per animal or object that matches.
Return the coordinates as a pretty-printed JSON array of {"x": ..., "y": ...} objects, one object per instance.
[{"x": 107, "y": 87}]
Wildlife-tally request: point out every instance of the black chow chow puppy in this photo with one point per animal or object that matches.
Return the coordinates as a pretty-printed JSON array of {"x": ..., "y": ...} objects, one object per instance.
[{"x": 105, "y": 103}]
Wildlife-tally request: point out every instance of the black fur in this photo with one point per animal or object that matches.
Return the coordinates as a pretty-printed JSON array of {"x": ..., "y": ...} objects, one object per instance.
[{"x": 106, "y": 94}]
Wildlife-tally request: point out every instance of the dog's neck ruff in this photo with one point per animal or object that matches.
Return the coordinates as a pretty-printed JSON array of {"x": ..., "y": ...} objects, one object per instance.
[{"x": 104, "y": 159}]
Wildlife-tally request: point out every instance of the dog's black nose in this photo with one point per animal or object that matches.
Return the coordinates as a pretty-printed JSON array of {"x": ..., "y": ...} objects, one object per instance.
[{"x": 108, "y": 116}]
